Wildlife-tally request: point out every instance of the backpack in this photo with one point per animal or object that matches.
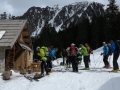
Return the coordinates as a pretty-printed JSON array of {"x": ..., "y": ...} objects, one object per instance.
[
  {"x": 46, "y": 51},
  {"x": 73, "y": 51},
  {"x": 117, "y": 47},
  {"x": 42, "y": 52},
  {"x": 110, "y": 49},
  {"x": 88, "y": 49}
]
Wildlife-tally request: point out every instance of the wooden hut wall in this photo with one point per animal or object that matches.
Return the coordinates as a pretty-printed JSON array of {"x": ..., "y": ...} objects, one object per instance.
[{"x": 25, "y": 59}]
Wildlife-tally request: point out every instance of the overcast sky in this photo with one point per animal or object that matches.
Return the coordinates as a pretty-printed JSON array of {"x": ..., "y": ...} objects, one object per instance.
[{"x": 19, "y": 7}]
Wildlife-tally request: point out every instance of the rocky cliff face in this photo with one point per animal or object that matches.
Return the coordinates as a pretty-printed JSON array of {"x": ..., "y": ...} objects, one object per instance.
[{"x": 61, "y": 17}]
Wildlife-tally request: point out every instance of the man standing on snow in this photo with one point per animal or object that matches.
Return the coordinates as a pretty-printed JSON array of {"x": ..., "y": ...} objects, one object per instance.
[
  {"x": 105, "y": 55},
  {"x": 64, "y": 55},
  {"x": 41, "y": 53},
  {"x": 73, "y": 57},
  {"x": 89, "y": 50},
  {"x": 116, "y": 56},
  {"x": 68, "y": 57},
  {"x": 52, "y": 56},
  {"x": 85, "y": 56}
]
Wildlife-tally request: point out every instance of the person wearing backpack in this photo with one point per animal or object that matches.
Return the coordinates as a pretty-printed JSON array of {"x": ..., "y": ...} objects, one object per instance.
[
  {"x": 105, "y": 55},
  {"x": 41, "y": 53},
  {"x": 73, "y": 57},
  {"x": 110, "y": 49},
  {"x": 112, "y": 44},
  {"x": 52, "y": 56},
  {"x": 85, "y": 56},
  {"x": 116, "y": 56},
  {"x": 89, "y": 50}
]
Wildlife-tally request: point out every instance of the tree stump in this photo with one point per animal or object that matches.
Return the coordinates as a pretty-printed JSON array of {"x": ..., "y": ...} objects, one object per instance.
[
  {"x": 6, "y": 75},
  {"x": 22, "y": 71}
]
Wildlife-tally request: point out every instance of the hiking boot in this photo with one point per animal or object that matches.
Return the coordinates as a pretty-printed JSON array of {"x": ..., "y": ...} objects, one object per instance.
[
  {"x": 106, "y": 66},
  {"x": 114, "y": 70},
  {"x": 42, "y": 74},
  {"x": 48, "y": 73},
  {"x": 86, "y": 68},
  {"x": 118, "y": 69},
  {"x": 80, "y": 62}
]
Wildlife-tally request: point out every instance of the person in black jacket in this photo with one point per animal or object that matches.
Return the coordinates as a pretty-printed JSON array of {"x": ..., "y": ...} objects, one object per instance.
[
  {"x": 64, "y": 55},
  {"x": 116, "y": 56}
]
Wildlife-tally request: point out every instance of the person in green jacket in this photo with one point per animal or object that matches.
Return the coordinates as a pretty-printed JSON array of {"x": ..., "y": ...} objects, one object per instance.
[
  {"x": 85, "y": 56},
  {"x": 79, "y": 56},
  {"x": 41, "y": 54}
]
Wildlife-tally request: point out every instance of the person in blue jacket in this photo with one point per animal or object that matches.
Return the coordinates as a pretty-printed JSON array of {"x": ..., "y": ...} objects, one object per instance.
[
  {"x": 52, "y": 56},
  {"x": 105, "y": 55},
  {"x": 116, "y": 54}
]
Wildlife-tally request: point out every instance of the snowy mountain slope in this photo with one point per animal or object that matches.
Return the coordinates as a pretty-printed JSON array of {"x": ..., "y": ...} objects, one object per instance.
[
  {"x": 61, "y": 17},
  {"x": 87, "y": 80}
]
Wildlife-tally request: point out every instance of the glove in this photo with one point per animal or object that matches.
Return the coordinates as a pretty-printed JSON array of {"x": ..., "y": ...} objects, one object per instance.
[
  {"x": 101, "y": 54},
  {"x": 54, "y": 57},
  {"x": 110, "y": 54},
  {"x": 91, "y": 53}
]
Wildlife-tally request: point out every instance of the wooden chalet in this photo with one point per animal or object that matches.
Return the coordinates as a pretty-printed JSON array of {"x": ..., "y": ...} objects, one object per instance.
[{"x": 15, "y": 45}]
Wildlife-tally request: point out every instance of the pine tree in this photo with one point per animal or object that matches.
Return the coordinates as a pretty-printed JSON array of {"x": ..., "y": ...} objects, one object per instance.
[{"x": 111, "y": 20}]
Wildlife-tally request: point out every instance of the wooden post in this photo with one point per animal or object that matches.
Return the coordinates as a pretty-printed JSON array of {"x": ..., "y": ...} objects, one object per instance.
[{"x": 2, "y": 59}]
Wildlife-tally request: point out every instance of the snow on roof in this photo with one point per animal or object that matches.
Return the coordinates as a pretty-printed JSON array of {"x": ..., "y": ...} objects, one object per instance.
[
  {"x": 25, "y": 47},
  {"x": 2, "y": 33}
]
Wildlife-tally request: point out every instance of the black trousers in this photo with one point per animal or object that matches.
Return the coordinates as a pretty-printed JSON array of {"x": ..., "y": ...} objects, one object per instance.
[
  {"x": 89, "y": 58},
  {"x": 44, "y": 66},
  {"x": 115, "y": 58},
  {"x": 105, "y": 60},
  {"x": 68, "y": 60},
  {"x": 64, "y": 60},
  {"x": 86, "y": 61},
  {"x": 49, "y": 64},
  {"x": 74, "y": 63}
]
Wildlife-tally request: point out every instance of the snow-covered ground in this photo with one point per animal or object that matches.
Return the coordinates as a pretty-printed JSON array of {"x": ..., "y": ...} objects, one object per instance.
[{"x": 98, "y": 79}]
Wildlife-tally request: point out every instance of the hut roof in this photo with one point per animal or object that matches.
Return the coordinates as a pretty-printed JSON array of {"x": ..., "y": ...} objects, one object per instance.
[{"x": 10, "y": 30}]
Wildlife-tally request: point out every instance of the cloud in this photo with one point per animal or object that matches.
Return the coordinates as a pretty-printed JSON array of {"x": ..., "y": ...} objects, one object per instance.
[
  {"x": 19, "y": 7},
  {"x": 5, "y": 7}
]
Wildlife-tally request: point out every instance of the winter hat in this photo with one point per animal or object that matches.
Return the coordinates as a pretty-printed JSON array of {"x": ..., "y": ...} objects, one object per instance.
[
  {"x": 37, "y": 48},
  {"x": 80, "y": 45},
  {"x": 86, "y": 44},
  {"x": 118, "y": 41},
  {"x": 72, "y": 44},
  {"x": 68, "y": 48},
  {"x": 104, "y": 43},
  {"x": 79, "y": 49}
]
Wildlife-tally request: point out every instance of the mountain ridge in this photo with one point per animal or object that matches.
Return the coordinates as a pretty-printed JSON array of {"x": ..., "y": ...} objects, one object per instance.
[{"x": 61, "y": 17}]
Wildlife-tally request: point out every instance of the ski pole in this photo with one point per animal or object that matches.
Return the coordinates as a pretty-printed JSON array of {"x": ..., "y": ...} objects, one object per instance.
[
  {"x": 97, "y": 61},
  {"x": 93, "y": 58},
  {"x": 59, "y": 65},
  {"x": 100, "y": 62},
  {"x": 109, "y": 59}
]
